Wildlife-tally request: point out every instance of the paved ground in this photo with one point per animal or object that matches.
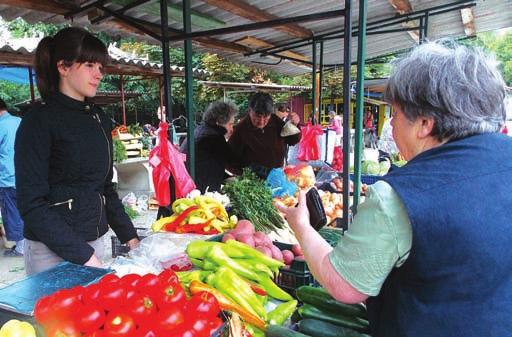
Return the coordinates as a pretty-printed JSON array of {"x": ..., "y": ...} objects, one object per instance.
[{"x": 12, "y": 268}]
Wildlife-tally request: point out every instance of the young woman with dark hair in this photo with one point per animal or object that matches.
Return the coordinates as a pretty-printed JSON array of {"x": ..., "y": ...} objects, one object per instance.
[{"x": 63, "y": 158}]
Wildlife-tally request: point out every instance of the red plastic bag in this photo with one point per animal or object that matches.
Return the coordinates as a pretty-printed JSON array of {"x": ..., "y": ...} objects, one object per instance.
[
  {"x": 308, "y": 146},
  {"x": 166, "y": 160}
]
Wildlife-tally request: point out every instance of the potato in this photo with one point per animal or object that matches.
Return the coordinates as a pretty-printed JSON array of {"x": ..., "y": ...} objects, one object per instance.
[
  {"x": 260, "y": 239},
  {"x": 276, "y": 253},
  {"x": 243, "y": 227},
  {"x": 265, "y": 250},
  {"x": 227, "y": 237},
  {"x": 287, "y": 256},
  {"x": 248, "y": 239},
  {"x": 297, "y": 250}
]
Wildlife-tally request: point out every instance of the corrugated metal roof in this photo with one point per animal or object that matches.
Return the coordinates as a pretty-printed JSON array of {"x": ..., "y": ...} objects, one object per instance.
[
  {"x": 488, "y": 15},
  {"x": 255, "y": 86},
  {"x": 26, "y": 47}
]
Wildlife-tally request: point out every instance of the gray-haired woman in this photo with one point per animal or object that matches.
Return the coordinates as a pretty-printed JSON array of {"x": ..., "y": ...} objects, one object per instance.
[
  {"x": 430, "y": 247},
  {"x": 212, "y": 152}
]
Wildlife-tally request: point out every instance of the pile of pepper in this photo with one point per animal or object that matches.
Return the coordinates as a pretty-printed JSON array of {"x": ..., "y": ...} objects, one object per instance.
[
  {"x": 134, "y": 305},
  {"x": 15, "y": 328},
  {"x": 240, "y": 277},
  {"x": 200, "y": 215}
]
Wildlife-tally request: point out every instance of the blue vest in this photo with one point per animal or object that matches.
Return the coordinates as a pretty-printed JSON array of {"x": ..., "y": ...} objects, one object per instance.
[{"x": 457, "y": 280}]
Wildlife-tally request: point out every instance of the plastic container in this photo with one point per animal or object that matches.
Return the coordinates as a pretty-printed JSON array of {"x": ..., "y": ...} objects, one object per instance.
[
  {"x": 295, "y": 275},
  {"x": 367, "y": 179},
  {"x": 119, "y": 249}
]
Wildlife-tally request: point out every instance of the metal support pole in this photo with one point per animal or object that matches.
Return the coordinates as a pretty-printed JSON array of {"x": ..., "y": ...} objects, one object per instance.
[
  {"x": 425, "y": 27},
  {"x": 313, "y": 84},
  {"x": 420, "y": 40},
  {"x": 361, "y": 54},
  {"x": 166, "y": 61},
  {"x": 31, "y": 81},
  {"x": 187, "y": 25},
  {"x": 123, "y": 102},
  {"x": 164, "y": 27},
  {"x": 347, "y": 48},
  {"x": 321, "y": 85}
]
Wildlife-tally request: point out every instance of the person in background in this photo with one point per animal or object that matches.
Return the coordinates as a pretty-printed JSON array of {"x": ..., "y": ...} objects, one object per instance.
[
  {"x": 212, "y": 152},
  {"x": 63, "y": 159},
  {"x": 13, "y": 224},
  {"x": 257, "y": 139},
  {"x": 429, "y": 249},
  {"x": 282, "y": 112},
  {"x": 386, "y": 144},
  {"x": 335, "y": 122}
]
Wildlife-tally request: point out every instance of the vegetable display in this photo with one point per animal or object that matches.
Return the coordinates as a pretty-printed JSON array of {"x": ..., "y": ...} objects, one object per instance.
[
  {"x": 323, "y": 316},
  {"x": 252, "y": 200},
  {"x": 15, "y": 328},
  {"x": 133, "y": 305},
  {"x": 200, "y": 215}
]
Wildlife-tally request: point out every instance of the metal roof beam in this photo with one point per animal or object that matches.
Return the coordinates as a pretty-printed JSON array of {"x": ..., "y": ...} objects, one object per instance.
[
  {"x": 128, "y": 20},
  {"x": 372, "y": 25},
  {"x": 121, "y": 10},
  {"x": 84, "y": 9},
  {"x": 47, "y": 6},
  {"x": 255, "y": 14},
  {"x": 260, "y": 25}
]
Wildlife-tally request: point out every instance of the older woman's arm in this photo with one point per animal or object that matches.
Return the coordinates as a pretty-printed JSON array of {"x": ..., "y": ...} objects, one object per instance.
[{"x": 378, "y": 240}]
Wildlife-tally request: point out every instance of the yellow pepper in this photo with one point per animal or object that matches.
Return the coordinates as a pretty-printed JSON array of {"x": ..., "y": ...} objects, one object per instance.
[{"x": 15, "y": 328}]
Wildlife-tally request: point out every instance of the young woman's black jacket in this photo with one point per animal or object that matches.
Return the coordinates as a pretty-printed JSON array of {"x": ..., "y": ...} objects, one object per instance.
[
  {"x": 63, "y": 162},
  {"x": 212, "y": 153}
]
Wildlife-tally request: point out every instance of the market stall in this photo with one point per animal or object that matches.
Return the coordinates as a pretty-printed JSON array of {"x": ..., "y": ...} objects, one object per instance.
[{"x": 222, "y": 264}]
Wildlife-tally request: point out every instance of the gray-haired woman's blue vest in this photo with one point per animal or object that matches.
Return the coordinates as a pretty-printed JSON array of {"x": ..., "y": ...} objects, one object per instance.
[{"x": 457, "y": 280}]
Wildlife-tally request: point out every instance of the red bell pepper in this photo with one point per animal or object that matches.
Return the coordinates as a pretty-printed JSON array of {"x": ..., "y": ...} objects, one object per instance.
[{"x": 173, "y": 226}]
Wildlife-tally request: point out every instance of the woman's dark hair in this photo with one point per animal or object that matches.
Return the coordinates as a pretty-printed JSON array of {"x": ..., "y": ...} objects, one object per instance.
[
  {"x": 69, "y": 45},
  {"x": 261, "y": 103},
  {"x": 3, "y": 106}
]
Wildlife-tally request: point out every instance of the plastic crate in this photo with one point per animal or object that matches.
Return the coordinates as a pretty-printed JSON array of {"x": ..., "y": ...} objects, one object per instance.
[
  {"x": 367, "y": 179},
  {"x": 119, "y": 249},
  {"x": 293, "y": 276}
]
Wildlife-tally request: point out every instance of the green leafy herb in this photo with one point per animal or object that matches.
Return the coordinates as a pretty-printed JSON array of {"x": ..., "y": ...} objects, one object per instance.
[{"x": 252, "y": 200}]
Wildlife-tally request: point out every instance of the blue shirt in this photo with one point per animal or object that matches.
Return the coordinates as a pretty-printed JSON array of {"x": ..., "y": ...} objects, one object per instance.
[{"x": 8, "y": 126}]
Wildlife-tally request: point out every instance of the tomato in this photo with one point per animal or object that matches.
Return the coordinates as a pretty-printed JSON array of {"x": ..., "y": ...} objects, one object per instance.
[
  {"x": 141, "y": 308},
  {"x": 96, "y": 333},
  {"x": 65, "y": 304},
  {"x": 130, "y": 294},
  {"x": 91, "y": 294},
  {"x": 112, "y": 295},
  {"x": 203, "y": 304},
  {"x": 169, "y": 318},
  {"x": 146, "y": 332},
  {"x": 148, "y": 283},
  {"x": 201, "y": 327},
  {"x": 78, "y": 290},
  {"x": 168, "y": 276},
  {"x": 42, "y": 310},
  {"x": 90, "y": 318},
  {"x": 215, "y": 324},
  {"x": 63, "y": 329},
  {"x": 109, "y": 278},
  {"x": 118, "y": 323},
  {"x": 130, "y": 280},
  {"x": 185, "y": 331},
  {"x": 170, "y": 295}
]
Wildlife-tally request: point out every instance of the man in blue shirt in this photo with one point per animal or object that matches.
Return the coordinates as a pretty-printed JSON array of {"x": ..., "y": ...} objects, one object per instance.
[{"x": 11, "y": 217}]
